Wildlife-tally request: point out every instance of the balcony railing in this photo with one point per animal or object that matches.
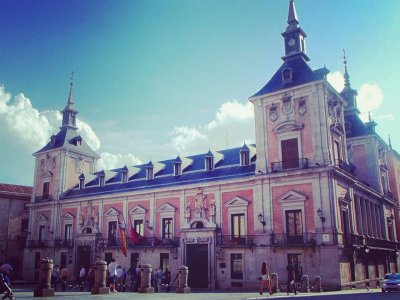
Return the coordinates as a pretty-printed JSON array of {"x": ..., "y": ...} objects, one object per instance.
[
  {"x": 360, "y": 241},
  {"x": 64, "y": 243},
  {"x": 44, "y": 198},
  {"x": 235, "y": 241},
  {"x": 142, "y": 242},
  {"x": 40, "y": 244},
  {"x": 285, "y": 165},
  {"x": 308, "y": 238},
  {"x": 349, "y": 168}
]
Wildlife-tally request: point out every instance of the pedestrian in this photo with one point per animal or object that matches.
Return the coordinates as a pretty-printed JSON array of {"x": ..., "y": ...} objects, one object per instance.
[
  {"x": 112, "y": 268},
  {"x": 64, "y": 278},
  {"x": 82, "y": 278},
  {"x": 120, "y": 283},
  {"x": 55, "y": 277},
  {"x": 91, "y": 277},
  {"x": 167, "y": 279},
  {"x": 138, "y": 278},
  {"x": 291, "y": 277},
  {"x": 265, "y": 278},
  {"x": 158, "y": 279}
]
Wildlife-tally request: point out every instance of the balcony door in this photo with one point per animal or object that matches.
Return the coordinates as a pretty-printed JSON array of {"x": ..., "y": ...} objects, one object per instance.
[
  {"x": 294, "y": 226},
  {"x": 290, "y": 154},
  {"x": 238, "y": 229}
]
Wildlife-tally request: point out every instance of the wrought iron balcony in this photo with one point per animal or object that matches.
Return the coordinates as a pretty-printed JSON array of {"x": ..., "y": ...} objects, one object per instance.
[
  {"x": 349, "y": 168},
  {"x": 308, "y": 238},
  {"x": 39, "y": 244},
  {"x": 229, "y": 241},
  {"x": 60, "y": 243},
  {"x": 286, "y": 165},
  {"x": 44, "y": 198},
  {"x": 142, "y": 242}
]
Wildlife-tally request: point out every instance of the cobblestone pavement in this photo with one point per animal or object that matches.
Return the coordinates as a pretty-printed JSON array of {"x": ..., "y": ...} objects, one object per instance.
[{"x": 27, "y": 293}]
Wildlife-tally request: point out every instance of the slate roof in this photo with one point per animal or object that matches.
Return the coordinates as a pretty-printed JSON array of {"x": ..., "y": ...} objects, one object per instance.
[
  {"x": 302, "y": 73},
  {"x": 67, "y": 138},
  {"x": 357, "y": 127},
  {"x": 227, "y": 168}
]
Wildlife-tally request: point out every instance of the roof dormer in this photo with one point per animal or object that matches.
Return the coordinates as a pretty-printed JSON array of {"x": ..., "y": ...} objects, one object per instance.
[
  {"x": 81, "y": 181},
  {"x": 244, "y": 155},
  {"x": 124, "y": 174},
  {"x": 177, "y": 166},
  {"x": 209, "y": 161},
  {"x": 149, "y": 170}
]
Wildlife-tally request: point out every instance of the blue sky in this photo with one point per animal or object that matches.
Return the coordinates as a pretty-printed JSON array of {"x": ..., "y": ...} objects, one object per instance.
[{"x": 158, "y": 78}]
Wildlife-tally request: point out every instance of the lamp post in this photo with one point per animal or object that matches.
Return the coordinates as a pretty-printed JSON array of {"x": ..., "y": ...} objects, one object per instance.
[
  {"x": 262, "y": 221},
  {"x": 321, "y": 216}
]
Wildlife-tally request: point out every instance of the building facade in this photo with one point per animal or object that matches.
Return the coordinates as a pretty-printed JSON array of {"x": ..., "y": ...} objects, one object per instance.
[
  {"x": 319, "y": 187},
  {"x": 13, "y": 224}
]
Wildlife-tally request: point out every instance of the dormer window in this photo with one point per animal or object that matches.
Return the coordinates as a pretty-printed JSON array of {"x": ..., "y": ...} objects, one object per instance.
[
  {"x": 82, "y": 182},
  {"x": 102, "y": 181},
  {"x": 124, "y": 177},
  {"x": 177, "y": 168},
  {"x": 287, "y": 75},
  {"x": 244, "y": 158},
  {"x": 77, "y": 141},
  {"x": 209, "y": 161},
  {"x": 149, "y": 171}
]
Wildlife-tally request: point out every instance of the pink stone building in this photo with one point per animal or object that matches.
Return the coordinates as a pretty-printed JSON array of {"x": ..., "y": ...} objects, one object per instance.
[{"x": 319, "y": 187}]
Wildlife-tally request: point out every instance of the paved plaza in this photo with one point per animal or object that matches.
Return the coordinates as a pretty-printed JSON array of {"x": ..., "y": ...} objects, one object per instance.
[{"x": 27, "y": 293}]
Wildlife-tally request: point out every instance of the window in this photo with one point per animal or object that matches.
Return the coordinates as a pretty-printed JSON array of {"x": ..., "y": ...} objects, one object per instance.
[
  {"x": 295, "y": 259},
  {"x": 336, "y": 151},
  {"x": 209, "y": 163},
  {"x": 167, "y": 228},
  {"x": 177, "y": 169},
  {"x": 164, "y": 261},
  {"x": 244, "y": 158},
  {"x": 46, "y": 190},
  {"x": 112, "y": 233},
  {"x": 24, "y": 225},
  {"x": 238, "y": 225},
  {"x": 102, "y": 181},
  {"x": 42, "y": 233},
  {"x": 290, "y": 154},
  {"x": 294, "y": 226},
  {"x": 287, "y": 75},
  {"x": 236, "y": 266},
  {"x": 68, "y": 232},
  {"x": 139, "y": 227},
  {"x": 81, "y": 183},
  {"x": 124, "y": 177},
  {"x": 149, "y": 173}
]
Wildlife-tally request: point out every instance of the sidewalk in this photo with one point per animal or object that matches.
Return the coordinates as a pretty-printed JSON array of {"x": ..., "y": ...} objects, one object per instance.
[{"x": 27, "y": 293}]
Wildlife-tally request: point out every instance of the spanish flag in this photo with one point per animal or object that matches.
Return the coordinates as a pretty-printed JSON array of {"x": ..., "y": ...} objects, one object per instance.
[{"x": 122, "y": 231}]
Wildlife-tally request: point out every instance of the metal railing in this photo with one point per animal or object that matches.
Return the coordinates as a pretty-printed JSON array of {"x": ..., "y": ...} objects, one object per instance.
[
  {"x": 232, "y": 241},
  {"x": 285, "y": 165},
  {"x": 40, "y": 243},
  {"x": 141, "y": 242},
  {"x": 349, "y": 168},
  {"x": 44, "y": 198},
  {"x": 63, "y": 243},
  {"x": 307, "y": 238}
]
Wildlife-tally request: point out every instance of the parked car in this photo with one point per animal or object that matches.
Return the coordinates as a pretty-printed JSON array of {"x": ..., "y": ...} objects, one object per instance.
[{"x": 391, "y": 282}]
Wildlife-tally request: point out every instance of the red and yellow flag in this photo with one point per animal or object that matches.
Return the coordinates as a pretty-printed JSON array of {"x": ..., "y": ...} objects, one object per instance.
[{"x": 122, "y": 232}]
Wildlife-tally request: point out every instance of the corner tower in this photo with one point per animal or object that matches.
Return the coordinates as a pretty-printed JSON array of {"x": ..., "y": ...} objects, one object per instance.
[{"x": 59, "y": 163}]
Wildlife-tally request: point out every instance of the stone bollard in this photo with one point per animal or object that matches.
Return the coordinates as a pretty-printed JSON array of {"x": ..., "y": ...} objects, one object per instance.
[
  {"x": 317, "y": 285},
  {"x": 274, "y": 282},
  {"x": 305, "y": 284},
  {"x": 45, "y": 269},
  {"x": 183, "y": 288},
  {"x": 145, "y": 276},
  {"x": 100, "y": 274}
]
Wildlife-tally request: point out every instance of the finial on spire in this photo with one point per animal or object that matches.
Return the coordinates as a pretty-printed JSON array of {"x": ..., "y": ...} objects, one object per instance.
[
  {"x": 292, "y": 16},
  {"x": 71, "y": 89},
  {"x": 369, "y": 117},
  {"x": 390, "y": 143},
  {"x": 346, "y": 75}
]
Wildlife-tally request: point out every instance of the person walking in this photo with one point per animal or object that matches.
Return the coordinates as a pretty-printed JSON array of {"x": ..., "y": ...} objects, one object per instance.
[
  {"x": 91, "y": 277},
  {"x": 112, "y": 268},
  {"x": 167, "y": 279},
  {"x": 265, "y": 278},
  {"x": 82, "y": 278},
  {"x": 291, "y": 277},
  {"x": 55, "y": 277},
  {"x": 64, "y": 278}
]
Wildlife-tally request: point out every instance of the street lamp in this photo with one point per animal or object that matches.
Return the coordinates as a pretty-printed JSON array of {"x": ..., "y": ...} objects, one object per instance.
[
  {"x": 321, "y": 216},
  {"x": 262, "y": 221}
]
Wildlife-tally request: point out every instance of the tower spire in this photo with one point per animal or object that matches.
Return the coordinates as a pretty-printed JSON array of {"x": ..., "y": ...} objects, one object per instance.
[
  {"x": 346, "y": 74},
  {"x": 71, "y": 90},
  {"x": 69, "y": 112},
  {"x": 292, "y": 16}
]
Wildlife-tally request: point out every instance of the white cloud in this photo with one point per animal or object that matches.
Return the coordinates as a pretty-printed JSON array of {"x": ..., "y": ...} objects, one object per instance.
[
  {"x": 110, "y": 161},
  {"x": 336, "y": 80},
  {"x": 233, "y": 124},
  {"x": 24, "y": 130},
  {"x": 370, "y": 97}
]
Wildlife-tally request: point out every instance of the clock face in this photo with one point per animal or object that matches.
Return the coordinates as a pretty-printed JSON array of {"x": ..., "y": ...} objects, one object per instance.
[{"x": 291, "y": 42}]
